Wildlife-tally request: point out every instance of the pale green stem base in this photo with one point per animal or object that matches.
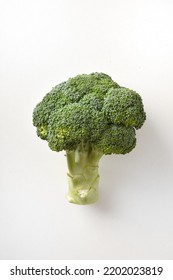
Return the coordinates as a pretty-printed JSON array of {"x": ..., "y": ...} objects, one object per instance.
[{"x": 83, "y": 177}]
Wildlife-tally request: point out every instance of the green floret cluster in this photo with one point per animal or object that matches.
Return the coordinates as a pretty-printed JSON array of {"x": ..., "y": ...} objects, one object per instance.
[
  {"x": 88, "y": 116},
  {"x": 90, "y": 109}
]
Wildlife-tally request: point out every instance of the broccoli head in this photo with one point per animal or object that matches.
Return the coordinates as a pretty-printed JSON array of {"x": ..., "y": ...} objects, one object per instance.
[{"x": 88, "y": 116}]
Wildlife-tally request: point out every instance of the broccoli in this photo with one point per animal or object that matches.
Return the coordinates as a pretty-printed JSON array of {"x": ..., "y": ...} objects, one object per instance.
[{"x": 88, "y": 116}]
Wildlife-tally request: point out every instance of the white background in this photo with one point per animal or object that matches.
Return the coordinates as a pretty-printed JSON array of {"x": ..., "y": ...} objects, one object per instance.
[{"x": 42, "y": 44}]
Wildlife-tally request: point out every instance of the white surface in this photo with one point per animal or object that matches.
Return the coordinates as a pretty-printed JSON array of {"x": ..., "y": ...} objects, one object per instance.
[{"x": 42, "y": 44}]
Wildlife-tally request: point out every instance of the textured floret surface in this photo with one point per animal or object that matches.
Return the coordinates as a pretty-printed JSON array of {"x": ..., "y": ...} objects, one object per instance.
[{"x": 90, "y": 108}]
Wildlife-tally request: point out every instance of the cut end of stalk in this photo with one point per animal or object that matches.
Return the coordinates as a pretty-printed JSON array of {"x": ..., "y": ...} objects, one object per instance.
[{"x": 83, "y": 197}]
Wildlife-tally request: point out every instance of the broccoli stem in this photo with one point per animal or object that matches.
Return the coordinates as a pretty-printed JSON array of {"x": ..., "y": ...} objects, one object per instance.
[{"x": 83, "y": 176}]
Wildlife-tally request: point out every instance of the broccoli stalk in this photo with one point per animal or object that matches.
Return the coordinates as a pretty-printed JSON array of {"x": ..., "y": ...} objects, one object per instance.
[
  {"x": 83, "y": 176},
  {"x": 88, "y": 116}
]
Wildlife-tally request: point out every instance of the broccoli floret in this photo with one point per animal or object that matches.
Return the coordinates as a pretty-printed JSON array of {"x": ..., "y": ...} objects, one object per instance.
[
  {"x": 117, "y": 140},
  {"x": 123, "y": 106},
  {"x": 88, "y": 116}
]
